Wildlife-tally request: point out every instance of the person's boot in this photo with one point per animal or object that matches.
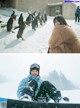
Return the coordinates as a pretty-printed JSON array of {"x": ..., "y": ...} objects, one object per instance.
[
  {"x": 57, "y": 97},
  {"x": 26, "y": 97}
]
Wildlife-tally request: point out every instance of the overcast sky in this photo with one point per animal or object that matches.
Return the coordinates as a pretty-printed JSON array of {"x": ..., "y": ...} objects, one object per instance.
[{"x": 16, "y": 66}]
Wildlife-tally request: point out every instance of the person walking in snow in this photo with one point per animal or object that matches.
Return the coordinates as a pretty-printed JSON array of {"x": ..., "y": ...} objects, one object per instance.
[
  {"x": 77, "y": 14},
  {"x": 63, "y": 38},
  {"x": 33, "y": 87}
]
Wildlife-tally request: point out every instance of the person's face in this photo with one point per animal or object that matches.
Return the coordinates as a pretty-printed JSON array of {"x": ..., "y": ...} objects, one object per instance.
[
  {"x": 34, "y": 72},
  {"x": 56, "y": 23}
]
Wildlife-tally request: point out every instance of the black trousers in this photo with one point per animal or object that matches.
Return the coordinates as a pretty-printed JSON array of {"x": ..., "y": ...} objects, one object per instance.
[
  {"x": 77, "y": 17},
  {"x": 46, "y": 90}
]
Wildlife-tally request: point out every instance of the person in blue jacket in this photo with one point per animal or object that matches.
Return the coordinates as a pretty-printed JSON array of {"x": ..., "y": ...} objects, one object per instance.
[
  {"x": 33, "y": 88},
  {"x": 77, "y": 14}
]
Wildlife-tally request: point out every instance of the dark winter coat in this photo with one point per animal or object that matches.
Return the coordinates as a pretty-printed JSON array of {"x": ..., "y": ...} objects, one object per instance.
[{"x": 77, "y": 11}]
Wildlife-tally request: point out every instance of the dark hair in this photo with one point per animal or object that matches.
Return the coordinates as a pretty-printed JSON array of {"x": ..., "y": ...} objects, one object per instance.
[
  {"x": 60, "y": 19},
  {"x": 77, "y": 7}
]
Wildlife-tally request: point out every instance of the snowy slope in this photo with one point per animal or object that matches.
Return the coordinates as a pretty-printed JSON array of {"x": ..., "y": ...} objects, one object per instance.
[{"x": 35, "y": 41}]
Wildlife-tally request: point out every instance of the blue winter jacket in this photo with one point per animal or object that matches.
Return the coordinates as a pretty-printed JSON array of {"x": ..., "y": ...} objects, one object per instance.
[
  {"x": 24, "y": 82},
  {"x": 77, "y": 11}
]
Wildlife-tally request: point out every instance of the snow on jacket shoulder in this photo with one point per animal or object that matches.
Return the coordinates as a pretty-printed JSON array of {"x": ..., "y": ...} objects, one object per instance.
[{"x": 24, "y": 83}]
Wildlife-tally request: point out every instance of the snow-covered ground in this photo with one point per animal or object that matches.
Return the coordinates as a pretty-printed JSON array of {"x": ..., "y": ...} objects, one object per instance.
[{"x": 35, "y": 41}]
